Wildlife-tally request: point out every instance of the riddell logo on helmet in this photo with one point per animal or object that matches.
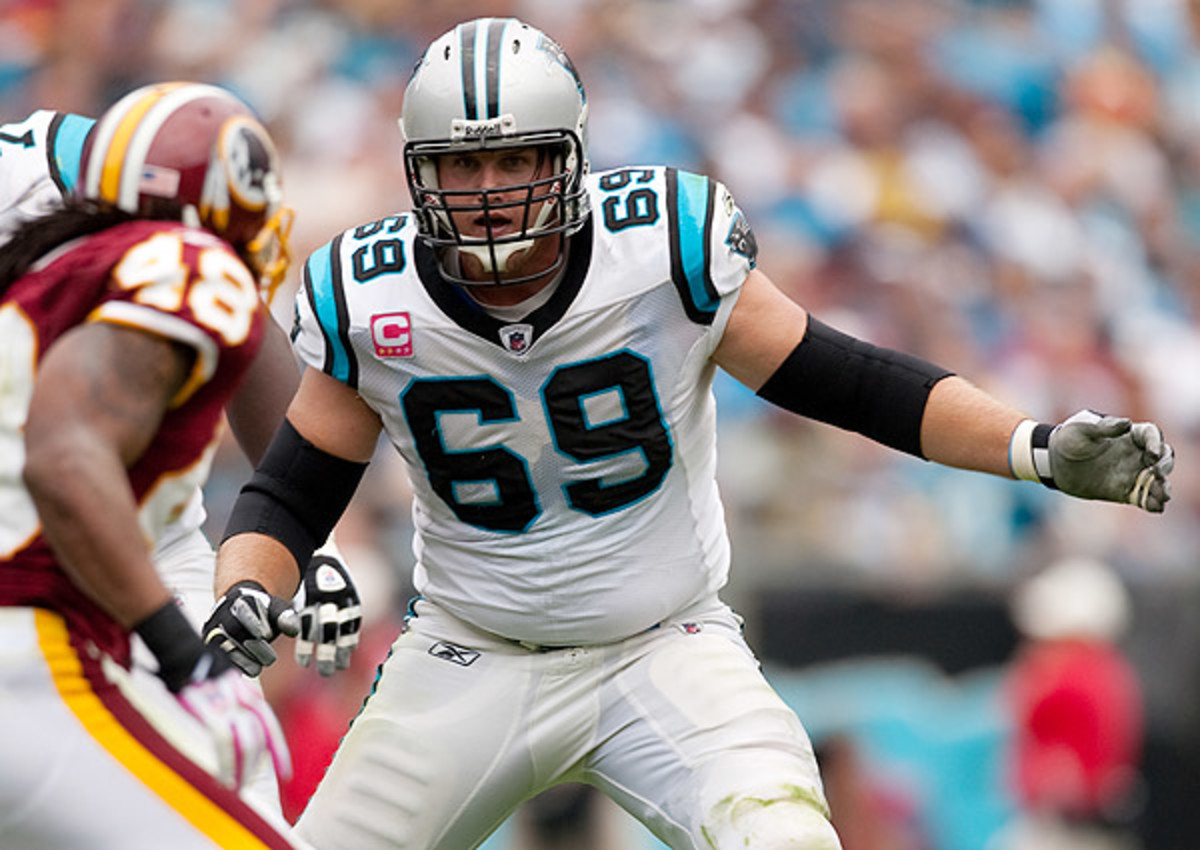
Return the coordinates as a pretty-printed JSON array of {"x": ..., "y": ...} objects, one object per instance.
[
  {"x": 392, "y": 335},
  {"x": 488, "y": 129}
]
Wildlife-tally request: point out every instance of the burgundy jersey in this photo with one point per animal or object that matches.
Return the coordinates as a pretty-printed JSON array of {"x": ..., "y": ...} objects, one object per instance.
[{"x": 173, "y": 281}]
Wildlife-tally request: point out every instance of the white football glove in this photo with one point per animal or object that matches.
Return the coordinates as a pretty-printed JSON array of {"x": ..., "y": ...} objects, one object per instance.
[
  {"x": 330, "y": 615},
  {"x": 243, "y": 727},
  {"x": 1094, "y": 456},
  {"x": 243, "y": 623}
]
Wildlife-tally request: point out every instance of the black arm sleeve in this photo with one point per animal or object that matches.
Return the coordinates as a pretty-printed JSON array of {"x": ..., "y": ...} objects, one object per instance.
[
  {"x": 843, "y": 381},
  {"x": 296, "y": 495}
]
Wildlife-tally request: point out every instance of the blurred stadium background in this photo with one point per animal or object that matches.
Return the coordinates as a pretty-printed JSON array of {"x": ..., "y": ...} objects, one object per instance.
[{"x": 1007, "y": 187}]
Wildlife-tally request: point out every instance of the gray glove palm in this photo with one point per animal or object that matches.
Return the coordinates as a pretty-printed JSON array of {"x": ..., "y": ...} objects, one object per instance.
[{"x": 1113, "y": 459}]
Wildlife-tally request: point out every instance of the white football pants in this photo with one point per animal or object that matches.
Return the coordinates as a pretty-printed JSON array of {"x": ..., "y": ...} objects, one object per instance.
[
  {"x": 677, "y": 725},
  {"x": 84, "y": 763}
]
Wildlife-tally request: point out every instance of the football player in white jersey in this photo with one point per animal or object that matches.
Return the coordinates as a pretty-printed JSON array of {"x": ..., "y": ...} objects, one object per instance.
[
  {"x": 39, "y": 166},
  {"x": 539, "y": 344}
]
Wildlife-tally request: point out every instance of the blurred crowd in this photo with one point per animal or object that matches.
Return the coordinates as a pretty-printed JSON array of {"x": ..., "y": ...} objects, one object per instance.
[{"x": 1010, "y": 188}]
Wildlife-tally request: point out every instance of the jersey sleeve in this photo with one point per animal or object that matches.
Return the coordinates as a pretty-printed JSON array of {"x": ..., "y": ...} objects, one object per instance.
[
  {"x": 39, "y": 164},
  {"x": 712, "y": 246},
  {"x": 320, "y": 334}
]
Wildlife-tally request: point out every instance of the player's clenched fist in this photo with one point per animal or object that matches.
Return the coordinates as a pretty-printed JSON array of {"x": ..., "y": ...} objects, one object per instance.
[
  {"x": 244, "y": 622},
  {"x": 1093, "y": 456}
]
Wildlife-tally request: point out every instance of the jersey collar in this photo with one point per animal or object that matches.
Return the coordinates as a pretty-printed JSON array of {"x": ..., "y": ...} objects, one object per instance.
[{"x": 469, "y": 315}]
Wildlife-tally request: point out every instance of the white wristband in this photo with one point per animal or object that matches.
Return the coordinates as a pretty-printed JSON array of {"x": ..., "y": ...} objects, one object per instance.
[
  {"x": 1020, "y": 451},
  {"x": 1029, "y": 452}
]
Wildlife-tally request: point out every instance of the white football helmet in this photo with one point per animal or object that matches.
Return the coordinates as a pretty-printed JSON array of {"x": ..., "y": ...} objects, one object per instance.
[{"x": 489, "y": 84}]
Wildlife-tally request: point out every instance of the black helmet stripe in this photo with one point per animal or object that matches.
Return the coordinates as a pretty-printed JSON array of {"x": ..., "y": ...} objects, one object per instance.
[
  {"x": 466, "y": 34},
  {"x": 491, "y": 53},
  {"x": 495, "y": 36}
]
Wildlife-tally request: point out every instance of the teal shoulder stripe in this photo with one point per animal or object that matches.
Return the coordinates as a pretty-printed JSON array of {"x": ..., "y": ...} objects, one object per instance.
[
  {"x": 692, "y": 225},
  {"x": 67, "y": 145},
  {"x": 323, "y": 299}
]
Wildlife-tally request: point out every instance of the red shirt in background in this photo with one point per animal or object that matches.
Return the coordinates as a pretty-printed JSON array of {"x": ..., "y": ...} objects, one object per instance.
[{"x": 1078, "y": 726}]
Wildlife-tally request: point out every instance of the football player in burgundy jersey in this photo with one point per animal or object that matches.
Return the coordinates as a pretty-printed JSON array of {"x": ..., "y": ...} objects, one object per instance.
[
  {"x": 127, "y": 318},
  {"x": 40, "y": 160}
]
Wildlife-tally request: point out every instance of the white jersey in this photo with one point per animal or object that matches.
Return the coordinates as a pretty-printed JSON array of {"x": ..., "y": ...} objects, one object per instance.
[
  {"x": 39, "y": 165},
  {"x": 563, "y": 465}
]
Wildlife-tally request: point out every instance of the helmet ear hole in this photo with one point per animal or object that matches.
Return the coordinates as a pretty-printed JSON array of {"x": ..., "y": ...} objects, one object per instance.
[{"x": 493, "y": 84}]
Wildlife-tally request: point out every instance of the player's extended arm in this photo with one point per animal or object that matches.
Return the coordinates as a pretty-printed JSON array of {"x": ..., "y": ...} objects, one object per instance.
[
  {"x": 295, "y": 497},
  {"x": 330, "y": 612},
  {"x": 773, "y": 346},
  {"x": 100, "y": 395}
]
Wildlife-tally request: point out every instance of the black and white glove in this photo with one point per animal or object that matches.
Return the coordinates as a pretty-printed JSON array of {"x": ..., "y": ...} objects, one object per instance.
[
  {"x": 330, "y": 615},
  {"x": 244, "y": 622},
  {"x": 238, "y": 718},
  {"x": 1094, "y": 456}
]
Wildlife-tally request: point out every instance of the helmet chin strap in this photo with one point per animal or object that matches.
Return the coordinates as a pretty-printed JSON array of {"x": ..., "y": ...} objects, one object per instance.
[{"x": 502, "y": 253}]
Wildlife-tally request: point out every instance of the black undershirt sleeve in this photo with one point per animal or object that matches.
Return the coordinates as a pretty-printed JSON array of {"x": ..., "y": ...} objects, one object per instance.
[
  {"x": 877, "y": 392},
  {"x": 296, "y": 495}
]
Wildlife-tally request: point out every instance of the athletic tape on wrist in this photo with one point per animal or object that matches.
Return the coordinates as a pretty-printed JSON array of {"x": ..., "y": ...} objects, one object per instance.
[{"x": 1029, "y": 452}]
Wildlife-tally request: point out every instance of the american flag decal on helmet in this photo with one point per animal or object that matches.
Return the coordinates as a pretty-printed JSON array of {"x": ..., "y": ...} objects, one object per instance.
[{"x": 159, "y": 180}]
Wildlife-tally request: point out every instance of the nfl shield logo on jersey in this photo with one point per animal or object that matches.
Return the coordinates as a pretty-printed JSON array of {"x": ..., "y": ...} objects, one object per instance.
[
  {"x": 392, "y": 335},
  {"x": 517, "y": 338}
]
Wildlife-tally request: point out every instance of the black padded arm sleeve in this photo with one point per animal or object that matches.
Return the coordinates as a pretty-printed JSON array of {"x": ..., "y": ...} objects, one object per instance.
[
  {"x": 296, "y": 495},
  {"x": 843, "y": 381}
]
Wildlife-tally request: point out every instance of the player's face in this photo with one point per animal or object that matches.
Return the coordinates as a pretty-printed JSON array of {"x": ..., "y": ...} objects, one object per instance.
[{"x": 498, "y": 200}]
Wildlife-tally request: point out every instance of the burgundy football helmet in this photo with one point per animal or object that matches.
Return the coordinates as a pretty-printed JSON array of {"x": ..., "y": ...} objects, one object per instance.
[{"x": 201, "y": 148}]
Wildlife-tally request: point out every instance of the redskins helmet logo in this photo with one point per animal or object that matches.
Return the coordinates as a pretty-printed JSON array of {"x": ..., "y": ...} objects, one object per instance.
[
  {"x": 200, "y": 146},
  {"x": 249, "y": 160},
  {"x": 242, "y": 177}
]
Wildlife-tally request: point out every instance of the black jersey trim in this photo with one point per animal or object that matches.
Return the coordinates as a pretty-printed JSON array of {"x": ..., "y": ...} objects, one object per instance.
[
  {"x": 691, "y": 200},
  {"x": 328, "y": 305},
  {"x": 51, "y": 159},
  {"x": 467, "y": 314}
]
